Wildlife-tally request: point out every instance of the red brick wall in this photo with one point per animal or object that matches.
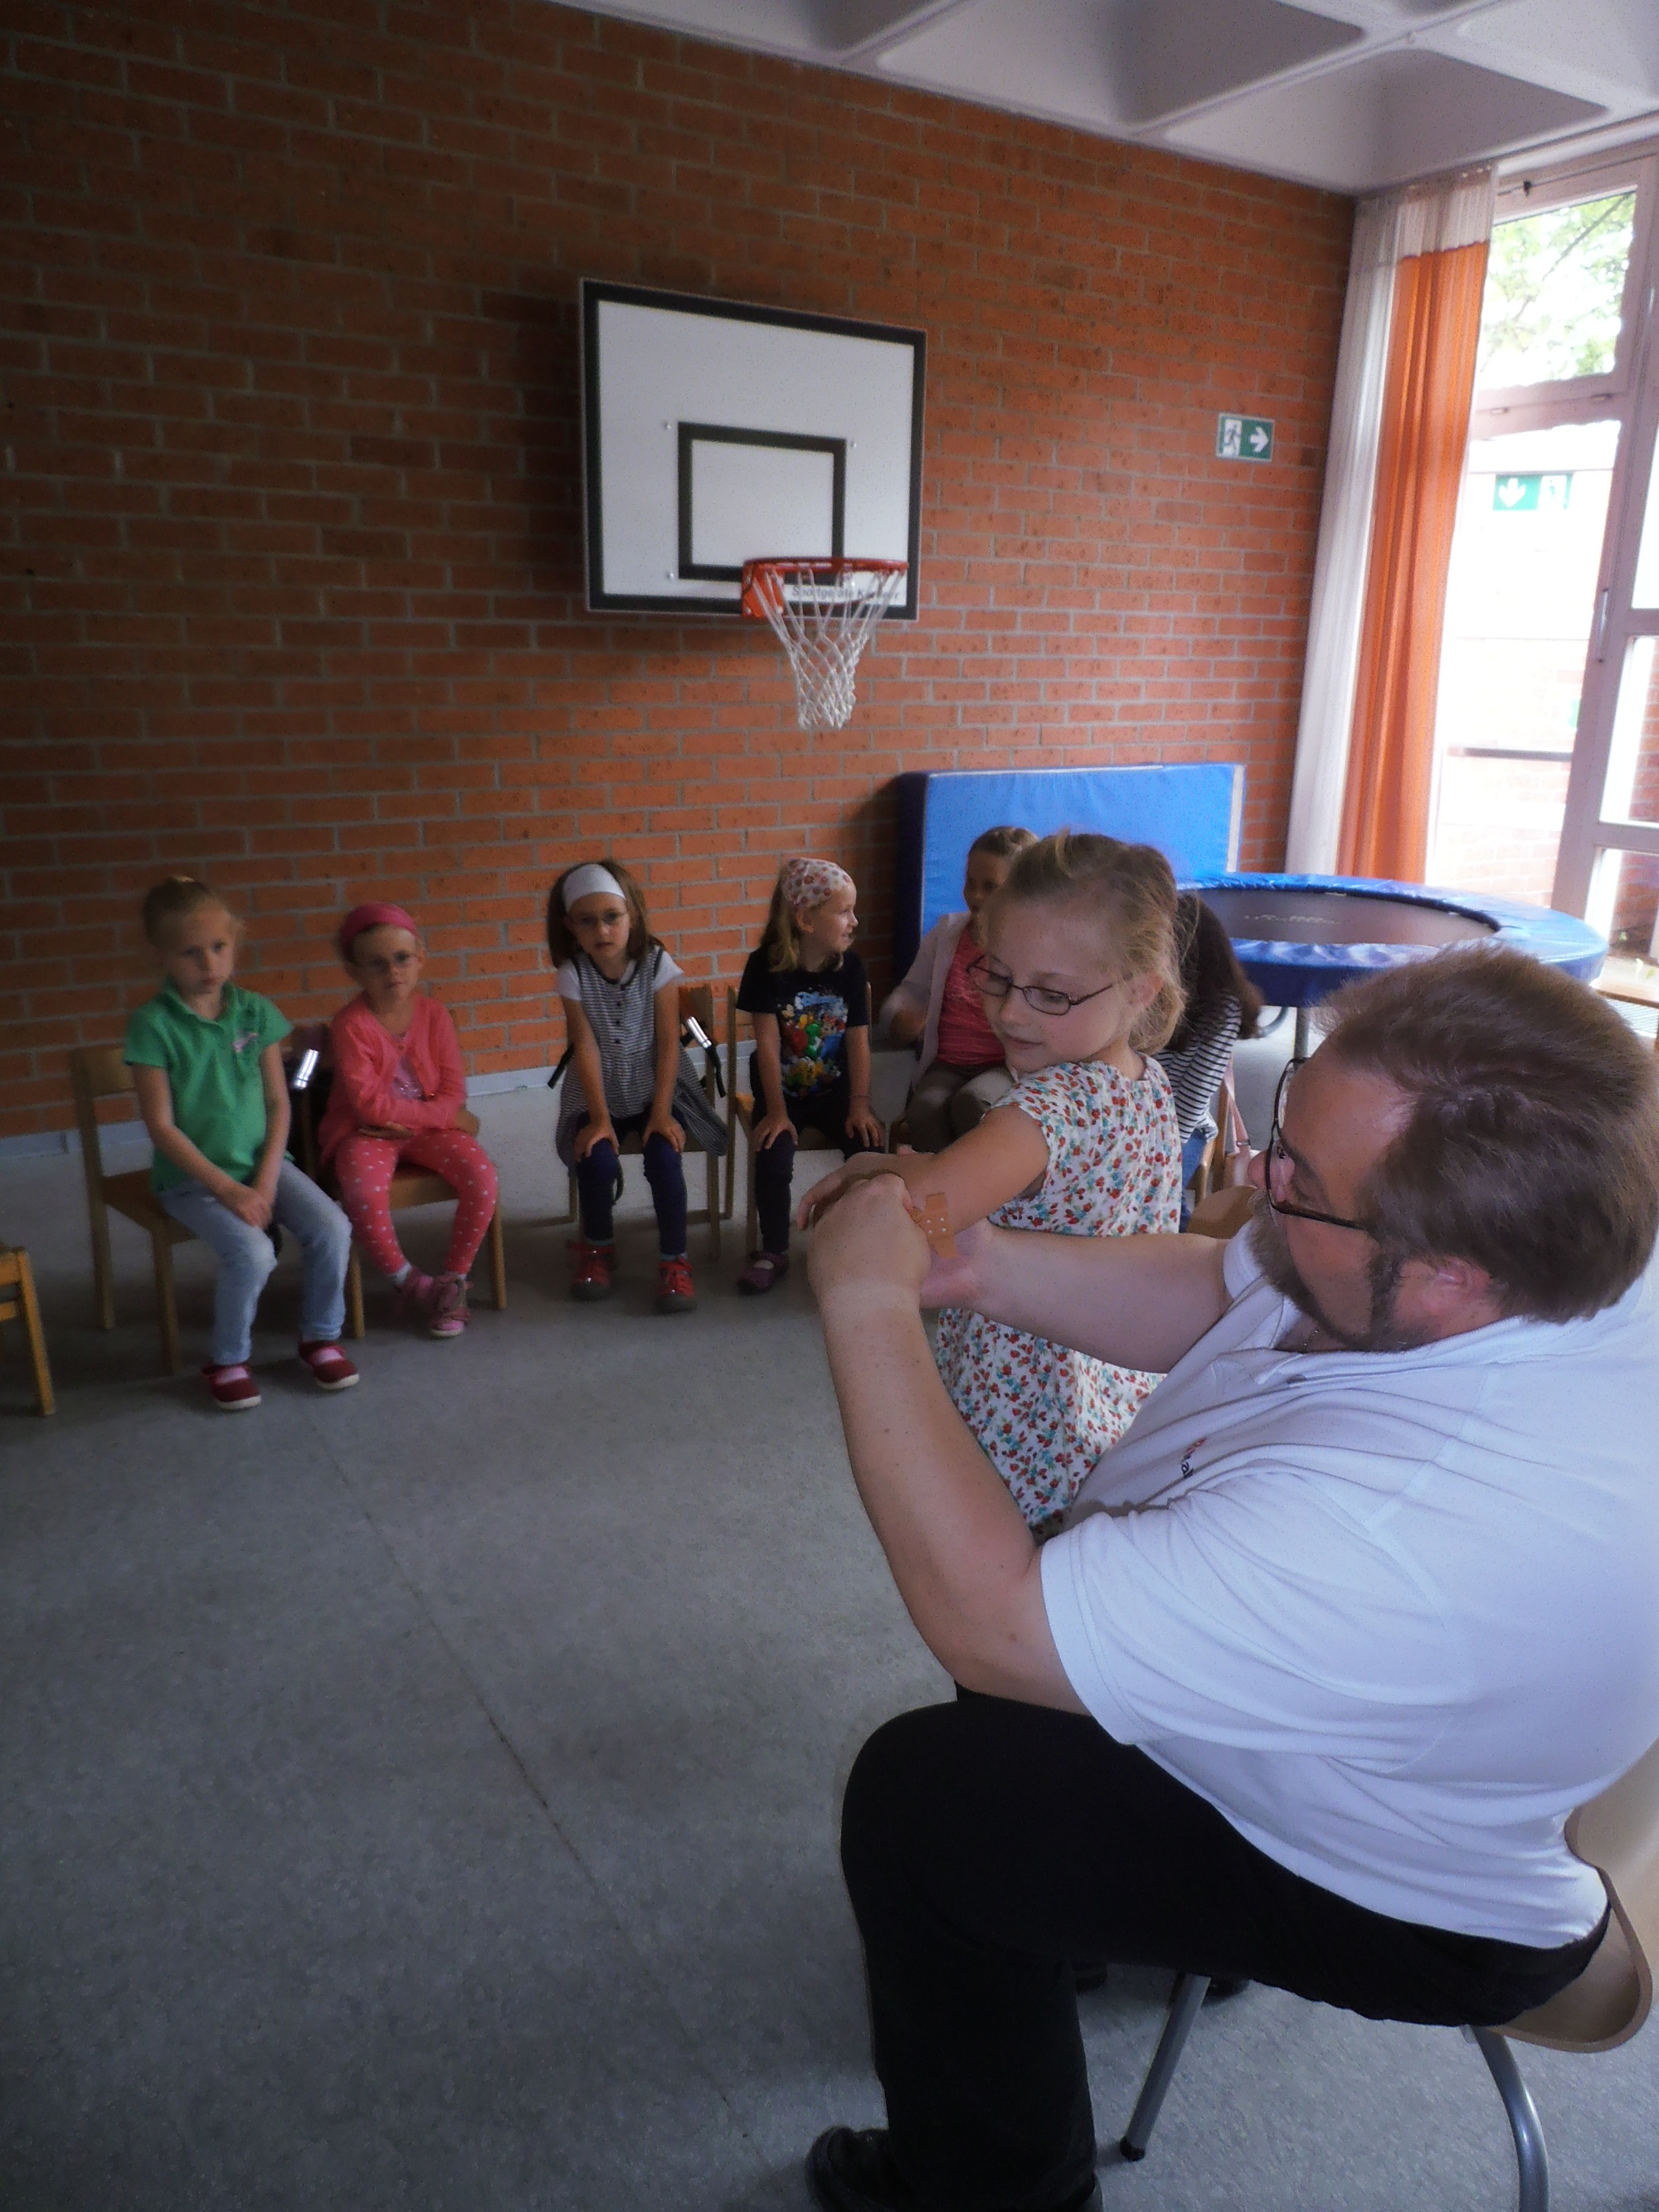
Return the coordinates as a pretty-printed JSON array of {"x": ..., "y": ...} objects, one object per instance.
[{"x": 292, "y": 569}]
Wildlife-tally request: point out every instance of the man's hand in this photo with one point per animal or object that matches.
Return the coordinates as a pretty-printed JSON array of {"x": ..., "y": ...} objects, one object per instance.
[
  {"x": 665, "y": 1127},
  {"x": 769, "y": 1126},
  {"x": 871, "y": 1243},
  {"x": 595, "y": 1133},
  {"x": 825, "y": 1193},
  {"x": 247, "y": 1204}
]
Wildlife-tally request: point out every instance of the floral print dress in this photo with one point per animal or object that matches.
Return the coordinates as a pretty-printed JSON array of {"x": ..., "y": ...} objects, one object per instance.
[{"x": 1043, "y": 1413}]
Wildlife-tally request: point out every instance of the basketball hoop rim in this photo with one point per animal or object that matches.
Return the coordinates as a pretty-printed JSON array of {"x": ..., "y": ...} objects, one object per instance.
[{"x": 828, "y": 567}]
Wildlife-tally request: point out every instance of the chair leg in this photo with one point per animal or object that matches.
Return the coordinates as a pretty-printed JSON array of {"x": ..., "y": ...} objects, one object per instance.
[
  {"x": 34, "y": 1336},
  {"x": 354, "y": 1290},
  {"x": 103, "y": 1273},
  {"x": 167, "y": 1305},
  {"x": 497, "y": 1261},
  {"x": 1184, "y": 2008},
  {"x": 751, "y": 1219},
  {"x": 573, "y": 1204},
  {"x": 1532, "y": 2160},
  {"x": 711, "y": 1193}
]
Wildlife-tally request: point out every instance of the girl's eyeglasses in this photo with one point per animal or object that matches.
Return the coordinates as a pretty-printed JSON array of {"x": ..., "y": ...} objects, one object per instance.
[
  {"x": 1278, "y": 1157},
  {"x": 993, "y": 983}
]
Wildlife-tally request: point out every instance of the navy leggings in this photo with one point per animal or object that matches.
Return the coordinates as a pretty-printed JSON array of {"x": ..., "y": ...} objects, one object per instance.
[
  {"x": 598, "y": 1175},
  {"x": 825, "y": 1111}
]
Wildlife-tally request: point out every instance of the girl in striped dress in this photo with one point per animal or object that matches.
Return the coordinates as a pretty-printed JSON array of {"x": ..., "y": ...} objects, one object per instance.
[
  {"x": 627, "y": 1073},
  {"x": 1222, "y": 1006}
]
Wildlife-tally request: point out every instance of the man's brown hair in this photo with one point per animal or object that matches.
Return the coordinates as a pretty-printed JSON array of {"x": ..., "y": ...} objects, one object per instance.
[{"x": 1532, "y": 1147}]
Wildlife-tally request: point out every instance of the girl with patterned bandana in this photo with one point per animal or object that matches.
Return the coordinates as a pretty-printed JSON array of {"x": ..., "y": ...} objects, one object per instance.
[{"x": 805, "y": 991}]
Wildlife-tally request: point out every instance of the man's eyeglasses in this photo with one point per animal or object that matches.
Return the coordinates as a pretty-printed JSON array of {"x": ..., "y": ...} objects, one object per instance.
[
  {"x": 1278, "y": 1157},
  {"x": 995, "y": 983}
]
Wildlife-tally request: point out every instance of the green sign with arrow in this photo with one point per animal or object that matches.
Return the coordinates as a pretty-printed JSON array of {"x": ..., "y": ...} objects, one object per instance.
[
  {"x": 1243, "y": 438},
  {"x": 1522, "y": 494}
]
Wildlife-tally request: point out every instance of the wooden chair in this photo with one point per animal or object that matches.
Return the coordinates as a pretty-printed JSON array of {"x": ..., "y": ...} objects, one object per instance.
[
  {"x": 1618, "y": 1834},
  {"x": 17, "y": 1303},
  {"x": 409, "y": 1187},
  {"x": 743, "y": 1117},
  {"x": 696, "y": 1004},
  {"x": 98, "y": 1070},
  {"x": 1217, "y": 1167}
]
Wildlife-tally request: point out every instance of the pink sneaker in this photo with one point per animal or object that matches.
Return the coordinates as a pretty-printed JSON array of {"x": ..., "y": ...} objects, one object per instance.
[
  {"x": 445, "y": 1306},
  {"x": 330, "y": 1368},
  {"x": 414, "y": 1297},
  {"x": 233, "y": 1389}
]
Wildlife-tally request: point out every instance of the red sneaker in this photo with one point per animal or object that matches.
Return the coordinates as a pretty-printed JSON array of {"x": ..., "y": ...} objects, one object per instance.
[
  {"x": 233, "y": 1389},
  {"x": 330, "y": 1368},
  {"x": 676, "y": 1292},
  {"x": 590, "y": 1269}
]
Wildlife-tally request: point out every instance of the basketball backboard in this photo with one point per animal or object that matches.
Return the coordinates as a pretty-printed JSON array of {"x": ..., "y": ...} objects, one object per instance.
[{"x": 715, "y": 433}]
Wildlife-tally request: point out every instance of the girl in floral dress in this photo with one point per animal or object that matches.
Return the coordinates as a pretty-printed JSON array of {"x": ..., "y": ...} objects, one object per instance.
[{"x": 1081, "y": 983}]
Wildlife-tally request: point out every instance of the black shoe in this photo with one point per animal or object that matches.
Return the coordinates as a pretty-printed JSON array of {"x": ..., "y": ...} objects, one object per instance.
[
  {"x": 1223, "y": 1986},
  {"x": 850, "y": 2170},
  {"x": 1089, "y": 1975}
]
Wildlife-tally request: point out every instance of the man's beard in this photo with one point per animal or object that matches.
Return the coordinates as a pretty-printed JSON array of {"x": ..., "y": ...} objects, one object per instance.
[{"x": 1382, "y": 1333}]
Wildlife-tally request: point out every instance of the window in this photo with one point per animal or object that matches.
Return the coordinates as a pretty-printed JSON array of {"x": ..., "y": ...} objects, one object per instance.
[{"x": 1551, "y": 436}]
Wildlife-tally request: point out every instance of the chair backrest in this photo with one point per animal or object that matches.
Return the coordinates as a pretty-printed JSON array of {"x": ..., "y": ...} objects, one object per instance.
[
  {"x": 731, "y": 1041},
  {"x": 1617, "y": 1833},
  {"x": 96, "y": 1070}
]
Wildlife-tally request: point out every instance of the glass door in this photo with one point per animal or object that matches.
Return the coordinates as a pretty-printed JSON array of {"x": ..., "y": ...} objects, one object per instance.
[
  {"x": 1609, "y": 864},
  {"x": 1561, "y": 344}
]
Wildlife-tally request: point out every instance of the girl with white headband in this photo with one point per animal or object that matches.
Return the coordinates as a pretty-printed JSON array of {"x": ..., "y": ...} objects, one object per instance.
[
  {"x": 806, "y": 992},
  {"x": 627, "y": 1073}
]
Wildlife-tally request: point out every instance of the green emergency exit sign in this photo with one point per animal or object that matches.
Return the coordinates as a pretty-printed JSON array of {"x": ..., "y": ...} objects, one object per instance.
[
  {"x": 1525, "y": 495},
  {"x": 1243, "y": 438}
]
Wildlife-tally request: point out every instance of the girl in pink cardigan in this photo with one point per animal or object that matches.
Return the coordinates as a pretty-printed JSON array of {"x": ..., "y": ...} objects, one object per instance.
[
  {"x": 960, "y": 1073},
  {"x": 399, "y": 1097}
]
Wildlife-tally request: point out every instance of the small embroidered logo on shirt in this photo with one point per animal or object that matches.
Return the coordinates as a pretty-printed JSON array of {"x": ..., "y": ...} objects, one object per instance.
[
  {"x": 242, "y": 1040},
  {"x": 1197, "y": 1444}
]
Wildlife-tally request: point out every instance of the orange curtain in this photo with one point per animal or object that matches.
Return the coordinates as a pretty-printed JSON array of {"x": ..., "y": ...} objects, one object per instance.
[{"x": 1433, "y": 336}]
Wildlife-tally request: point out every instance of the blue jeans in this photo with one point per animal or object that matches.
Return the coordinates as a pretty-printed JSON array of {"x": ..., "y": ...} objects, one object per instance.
[{"x": 246, "y": 1256}]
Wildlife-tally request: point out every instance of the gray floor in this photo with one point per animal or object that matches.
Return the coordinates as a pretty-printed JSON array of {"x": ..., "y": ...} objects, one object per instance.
[{"x": 427, "y": 1797}]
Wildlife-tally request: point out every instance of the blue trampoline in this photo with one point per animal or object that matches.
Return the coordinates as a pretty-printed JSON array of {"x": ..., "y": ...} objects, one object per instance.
[{"x": 1300, "y": 937}]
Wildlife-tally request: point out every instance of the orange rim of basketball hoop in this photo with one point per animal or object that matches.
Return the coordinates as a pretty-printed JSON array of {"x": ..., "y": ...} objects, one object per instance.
[
  {"x": 765, "y": 582},
  {"x": 823, "y": 611}
]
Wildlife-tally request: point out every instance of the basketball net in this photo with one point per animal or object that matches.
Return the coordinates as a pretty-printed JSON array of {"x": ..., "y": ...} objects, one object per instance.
[{"x": 823, "y": 612}]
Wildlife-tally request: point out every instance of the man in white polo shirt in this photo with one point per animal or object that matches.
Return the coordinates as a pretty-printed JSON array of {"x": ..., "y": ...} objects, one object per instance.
[{"x": 1357, "y": 1612}]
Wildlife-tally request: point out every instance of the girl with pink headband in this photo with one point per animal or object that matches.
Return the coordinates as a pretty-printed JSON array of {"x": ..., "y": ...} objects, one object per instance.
[
  {"x": 805, "y": 992},
  {"x": 399, "y": 1098}
]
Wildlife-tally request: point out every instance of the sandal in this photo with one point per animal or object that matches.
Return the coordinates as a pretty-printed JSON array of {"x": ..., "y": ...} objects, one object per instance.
[
  {"x": 330, "y": 1368},
  {"x": 764, "y": 1272}
]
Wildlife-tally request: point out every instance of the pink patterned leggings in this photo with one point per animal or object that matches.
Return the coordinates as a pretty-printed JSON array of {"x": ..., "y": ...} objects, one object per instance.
[{"x": 364, "y": 1167}]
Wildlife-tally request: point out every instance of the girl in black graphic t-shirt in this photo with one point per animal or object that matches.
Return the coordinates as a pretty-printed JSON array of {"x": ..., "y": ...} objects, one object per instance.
[{"x": 807, "y": 995}]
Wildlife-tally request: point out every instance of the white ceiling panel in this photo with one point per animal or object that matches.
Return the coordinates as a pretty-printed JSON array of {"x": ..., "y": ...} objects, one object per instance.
[{"x": 1351, "y": 95}]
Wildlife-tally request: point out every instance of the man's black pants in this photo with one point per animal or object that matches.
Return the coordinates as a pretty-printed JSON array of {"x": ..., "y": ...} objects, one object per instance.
[{"x": 986, "y": 1845}]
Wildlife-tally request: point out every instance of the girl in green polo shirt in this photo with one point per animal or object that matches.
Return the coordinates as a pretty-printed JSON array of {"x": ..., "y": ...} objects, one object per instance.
[{"x": 208, "y": 1069}]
